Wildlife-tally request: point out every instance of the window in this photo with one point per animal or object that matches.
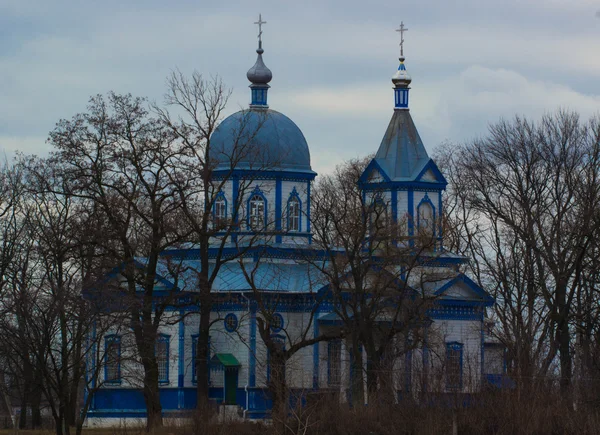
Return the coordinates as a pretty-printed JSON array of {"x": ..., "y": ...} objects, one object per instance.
[
  {"x": 276, "y": 322},
  {"x": 257, "y": 212},
  {"x": 220, "y": 210},
  {"x": 194, "y": 358},
  {"x": 334, "y": 363},
  {"x": 454, "y": 364},
  {"x": 425, "y": 216},
  {"x": 293, "y": 209},
  {"x": 231, "y": 322},
  {"x": 161, "y": 351},
  {"x": 112, "y": 369}
]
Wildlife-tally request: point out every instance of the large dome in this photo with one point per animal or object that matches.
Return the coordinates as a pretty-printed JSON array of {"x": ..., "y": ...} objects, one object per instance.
[{"x": 260, "y": 139}]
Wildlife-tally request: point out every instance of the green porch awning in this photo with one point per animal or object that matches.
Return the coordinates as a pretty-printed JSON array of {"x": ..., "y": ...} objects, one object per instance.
[{"x": 225, "y": 360}]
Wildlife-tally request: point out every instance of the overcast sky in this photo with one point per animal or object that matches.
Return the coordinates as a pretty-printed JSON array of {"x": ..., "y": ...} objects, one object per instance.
[{"x": 472, "y": 62}]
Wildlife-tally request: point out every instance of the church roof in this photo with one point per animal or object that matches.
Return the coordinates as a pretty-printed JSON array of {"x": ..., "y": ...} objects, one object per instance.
[
  {"x": 260, "y": 139},
  {"x": 402, "y": 155}
]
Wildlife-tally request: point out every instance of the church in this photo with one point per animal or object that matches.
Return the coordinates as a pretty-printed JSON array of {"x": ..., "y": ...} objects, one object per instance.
[{"x": 457, "y": 353}]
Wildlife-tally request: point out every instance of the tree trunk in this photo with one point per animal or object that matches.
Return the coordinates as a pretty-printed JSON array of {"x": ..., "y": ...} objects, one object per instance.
[
  {"x": 278, "y": 388},
  {"x": 151, "y": 392},
  {"x": 357, "y": 388},
  {"x": 202, "y": 366}
]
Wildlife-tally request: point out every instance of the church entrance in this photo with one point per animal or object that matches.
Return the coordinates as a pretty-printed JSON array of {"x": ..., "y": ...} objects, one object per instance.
[
  {"x": 231, "y": 384},
  {"x": 229, "y": 364}
]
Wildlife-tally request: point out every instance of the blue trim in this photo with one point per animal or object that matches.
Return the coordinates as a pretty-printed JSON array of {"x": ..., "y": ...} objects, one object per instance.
[
  {"x": 252, "y": 350},
  {"x": 294, "y": 195},
  {"x": 411, "y": 215},
  {"x": 258, "y": 93},
  {"x": 235, "y": 189},
  {"x": 256, "y": 192},
  {"x": 401, "y": 98},
  {"x": 454, "y": 346},
  {"x": 163, "y": 338},
  {"x": 440, "y": 226},
  {"x": 194, "y": 357},
  {"x": 308, "y": 185},
  {"x": 482, "y": 348},
  {"x": 281, "y": 324},
  {"x": 110, "y": 340},
  {"x": 488, "y": 300},
  {"x": 436, "y": 172},
  {"x": 363, "y": 181},
  {"x": 278, "y": 217},
  {"x": 425, "y": 186},
  {"x": 315, "y": 355},
  {"x": 285, "y": 175},
  {"x": 230, "y": 318},
  {"x": 394, "y": 194}
]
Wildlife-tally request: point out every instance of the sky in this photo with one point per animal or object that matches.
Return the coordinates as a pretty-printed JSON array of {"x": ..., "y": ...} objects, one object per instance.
[{"x": 472, "y": 62}]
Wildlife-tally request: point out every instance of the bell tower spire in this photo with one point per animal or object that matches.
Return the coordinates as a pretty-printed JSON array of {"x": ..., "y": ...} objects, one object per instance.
[
  {"x": 259, "y": 75},
  {"x": 401, "y": 79}
]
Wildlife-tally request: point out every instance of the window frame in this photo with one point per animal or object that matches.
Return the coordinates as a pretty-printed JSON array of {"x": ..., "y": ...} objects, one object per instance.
[
  {"x": 454, "y": 350},
  {"x": 253, "y": 219},
  {"x": 220, "y": 205},
  {"x": 279, "y": 327},
  {"x": 232, "y": 317},
  {"x": 334, "y": 372},
  {"x": 297, "y": 218},
  {"x": 111, "y": 340},
  {"x": 163, "y": 339}
]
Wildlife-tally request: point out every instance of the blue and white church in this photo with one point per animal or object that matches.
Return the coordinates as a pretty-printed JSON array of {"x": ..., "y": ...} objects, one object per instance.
[{"x": 457, "y": 354}]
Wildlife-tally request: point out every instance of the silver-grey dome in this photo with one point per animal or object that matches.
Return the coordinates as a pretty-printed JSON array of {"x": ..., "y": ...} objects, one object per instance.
[{"x": 259, "y": 74}]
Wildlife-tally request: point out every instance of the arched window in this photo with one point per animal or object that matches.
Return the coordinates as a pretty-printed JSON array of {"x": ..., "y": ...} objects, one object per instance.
[
  {"x": 256, "y": 219},
  {"x": 426, "y": 216},
  {"x": 220, "y": 210},
  {"x": 293, "y": 213}
]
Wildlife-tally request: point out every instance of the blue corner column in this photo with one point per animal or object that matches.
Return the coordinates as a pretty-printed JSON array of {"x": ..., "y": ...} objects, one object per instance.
[
  {"x": 278, "y": 214},
  {"x": 181, "y": 361},
  {"x": 411, "y": 215},
  {"x": 308, "y": 184},
  {"x": 236, "y": 204},
  {"x": 252, "y": 350}
]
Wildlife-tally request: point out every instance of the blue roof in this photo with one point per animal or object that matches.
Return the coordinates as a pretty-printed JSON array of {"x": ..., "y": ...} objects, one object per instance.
[
  {"x": 267, "y": 276},
  {"x": 260, "y": 139},
  {"x": 402, "y": 155}
]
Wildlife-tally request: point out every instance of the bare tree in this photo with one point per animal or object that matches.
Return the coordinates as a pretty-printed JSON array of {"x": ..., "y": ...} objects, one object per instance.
[
  {"x": 199, "y": 104},
  {"x": 375, "y": 270},
  {"x": 117, "y": 157},
  {"x": 534, "y": 187}
]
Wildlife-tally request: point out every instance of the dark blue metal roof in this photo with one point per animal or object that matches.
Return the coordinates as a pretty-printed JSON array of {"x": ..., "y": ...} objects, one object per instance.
[
  {"x": 260, "y": 139},
  {"x": 402, "y": 155}
]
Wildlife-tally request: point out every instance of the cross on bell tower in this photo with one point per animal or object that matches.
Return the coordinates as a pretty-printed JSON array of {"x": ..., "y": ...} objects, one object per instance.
[
  {"x": 401, "y": 79},
  {"x": 401, "y": 30}
]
